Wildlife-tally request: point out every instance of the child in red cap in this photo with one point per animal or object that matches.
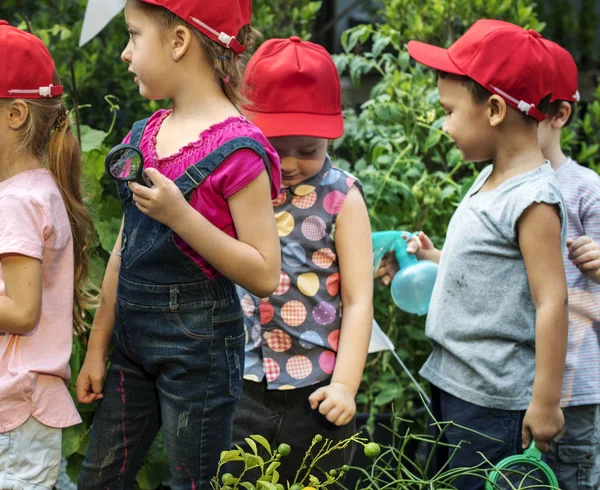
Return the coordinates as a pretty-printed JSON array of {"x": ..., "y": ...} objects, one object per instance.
[
  {"x": 498, "y": 315},
  {"x": 304, "y": 359},
  {"x": 575, "y": 457},
  {"x": 168, "y": 297},
  {"x": 45, "y": 230}
]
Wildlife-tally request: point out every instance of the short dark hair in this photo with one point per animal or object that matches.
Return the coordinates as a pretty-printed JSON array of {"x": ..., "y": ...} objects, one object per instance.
[
  {"x": 480, "y": 94},
  {"x": 554, "y": 108}
]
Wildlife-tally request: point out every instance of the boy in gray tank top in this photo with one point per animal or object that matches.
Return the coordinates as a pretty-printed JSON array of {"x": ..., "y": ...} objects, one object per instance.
[{"x": 498, "y": 315}]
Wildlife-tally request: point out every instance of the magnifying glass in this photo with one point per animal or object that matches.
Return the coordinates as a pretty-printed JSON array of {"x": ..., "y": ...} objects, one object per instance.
[
  {"x": 126, "y": 163},
  {"x": 525, "y": 470}
]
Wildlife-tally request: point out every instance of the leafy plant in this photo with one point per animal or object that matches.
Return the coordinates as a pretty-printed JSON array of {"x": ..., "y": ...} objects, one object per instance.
[{"x": 260, "y": 473}]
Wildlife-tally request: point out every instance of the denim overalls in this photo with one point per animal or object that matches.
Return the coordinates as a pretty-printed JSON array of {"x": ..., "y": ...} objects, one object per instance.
[{"x": 178, "y": 354}]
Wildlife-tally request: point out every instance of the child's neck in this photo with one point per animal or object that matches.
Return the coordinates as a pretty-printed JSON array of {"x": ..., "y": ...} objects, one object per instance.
[
  {"x": 556, "y": 156},
  {"x": 203, "y": 100},
  {"x": 521, "y": 155},
  {"x": 11, "y": 165}
]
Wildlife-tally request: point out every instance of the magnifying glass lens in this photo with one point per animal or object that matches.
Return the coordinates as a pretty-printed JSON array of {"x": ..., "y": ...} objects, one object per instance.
[{"x": 125, "y": 164}]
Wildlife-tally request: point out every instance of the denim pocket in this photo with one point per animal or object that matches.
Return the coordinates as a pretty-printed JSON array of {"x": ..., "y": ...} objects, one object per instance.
[
  {"x": 235, "y": 358},
  {"x": 140, "y": 238},
  {"x": 196, "y": 321},
  {"x": 583, "y": 456}
]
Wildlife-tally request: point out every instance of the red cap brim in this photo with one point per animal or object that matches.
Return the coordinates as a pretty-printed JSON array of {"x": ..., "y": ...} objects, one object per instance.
[
  {"x": 433, "y": 57},
  {"x": 274, "y": 125}
]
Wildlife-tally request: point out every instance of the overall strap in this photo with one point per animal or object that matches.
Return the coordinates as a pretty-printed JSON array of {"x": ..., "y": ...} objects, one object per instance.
[
  {"x": 137, "y": 132},
  {"x": 197, "y": 173}
]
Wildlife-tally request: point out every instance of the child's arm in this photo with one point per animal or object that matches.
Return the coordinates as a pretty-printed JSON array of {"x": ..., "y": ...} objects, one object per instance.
[
  {"x": 584, "y": 252},
  {"x": 253, "y": 260},
  {"x": 20, "y": 309},
  {"x": 539, "y": 233},
  {"x": 91, "y": 375},
  {"x": 353, "y": 244}
]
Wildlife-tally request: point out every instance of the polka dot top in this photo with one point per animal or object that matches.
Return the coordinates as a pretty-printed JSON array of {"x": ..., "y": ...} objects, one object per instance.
[{"x": 292, "y": 336}]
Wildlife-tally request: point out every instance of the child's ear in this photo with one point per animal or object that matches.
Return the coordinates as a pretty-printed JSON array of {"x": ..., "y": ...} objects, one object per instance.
[
  {"x": 180, "y": 41},
  {"x": 561, "y": 118},
  {"x": 496, "y": 110},
  {"x": 18, "y": 112}
]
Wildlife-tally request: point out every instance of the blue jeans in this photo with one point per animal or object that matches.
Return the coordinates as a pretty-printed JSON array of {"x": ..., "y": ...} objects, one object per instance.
[
  {"x": 180, "y": 368},
  {"x": 504, "y": 425},
  {"x": 575, "y": 457}
]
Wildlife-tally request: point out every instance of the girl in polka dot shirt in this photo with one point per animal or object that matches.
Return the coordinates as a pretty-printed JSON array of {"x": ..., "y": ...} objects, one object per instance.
[{"x": 304, "y": 360}]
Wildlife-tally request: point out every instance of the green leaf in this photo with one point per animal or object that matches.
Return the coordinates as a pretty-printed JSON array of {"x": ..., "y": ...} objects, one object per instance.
[
  {"x": 272, "y": 467},
  {"x": 266, "y": 485},
  {"x": 252, "y": 461},
  {"x": 91, "y": 139},
  {"x": 263, "y": 442},
  {"x": 252, "y": 445},
  {"x": 108, "y": 232},
  {"x": 379, "y": 44},
  {"x": 231, "y": 455},
  {"x": 72, "y": 439}
]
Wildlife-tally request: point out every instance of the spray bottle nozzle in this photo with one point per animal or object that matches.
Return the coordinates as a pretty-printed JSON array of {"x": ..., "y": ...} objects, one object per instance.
[{"x": 412, "y": 286}]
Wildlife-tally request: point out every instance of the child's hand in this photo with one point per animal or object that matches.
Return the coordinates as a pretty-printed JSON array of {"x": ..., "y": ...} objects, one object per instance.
[
  {"x": 584, "y": 253},
  {"x": 387, "y": 268},
  {"x": 163, "y": 201},
  {"x": 421, "y": 246},
  {"x": 543, "y": 423},
  {"x": 336, "y": 403},
  {"x": 90, "y": 379}
]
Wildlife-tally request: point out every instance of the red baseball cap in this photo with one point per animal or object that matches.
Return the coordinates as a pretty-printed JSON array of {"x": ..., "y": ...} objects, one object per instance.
[
  {"x": 220, "y": 20},
  {"x": 27, "y": 64},
  {"x": 506, "y": 59},
  {"x": 294, "y": 90},
  {"x": 566, "y": 83}
]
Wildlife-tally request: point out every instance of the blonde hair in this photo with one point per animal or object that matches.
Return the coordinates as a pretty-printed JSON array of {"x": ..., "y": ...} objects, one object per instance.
[
  {"x": 47, "y": 135},
  {"x": 228, "y": 67}
]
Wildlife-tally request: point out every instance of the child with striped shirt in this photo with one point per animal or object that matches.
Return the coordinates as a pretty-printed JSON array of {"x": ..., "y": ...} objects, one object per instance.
[{"x": 576, "y": 456}]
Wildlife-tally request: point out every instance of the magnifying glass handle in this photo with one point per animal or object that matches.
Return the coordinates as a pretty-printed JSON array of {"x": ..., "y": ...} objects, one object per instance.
[{"x": 142, "y": 180}]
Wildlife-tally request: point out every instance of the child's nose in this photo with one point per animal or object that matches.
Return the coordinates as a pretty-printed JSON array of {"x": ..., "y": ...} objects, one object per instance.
[
  {"x": 288, "y": 164},
  {"x": 126, "y": 54}
]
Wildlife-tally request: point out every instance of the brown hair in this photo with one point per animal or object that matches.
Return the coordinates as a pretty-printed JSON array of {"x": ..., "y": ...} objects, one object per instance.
[
  {"x": 228, "y": 67},
  {"x": 47, "y": 135},
  {"x": 480, "y": 94}
]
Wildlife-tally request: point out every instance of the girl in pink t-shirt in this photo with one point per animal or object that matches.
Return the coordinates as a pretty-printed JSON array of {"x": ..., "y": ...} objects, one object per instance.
[
  {"x": 168, "y": 297},
  {"x": 44, "y": 231}
]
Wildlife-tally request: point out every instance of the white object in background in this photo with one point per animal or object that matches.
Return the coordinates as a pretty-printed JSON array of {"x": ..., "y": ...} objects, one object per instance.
[
  {"x": 98, "y": 14},
  {"x": 379, "y": 342}
]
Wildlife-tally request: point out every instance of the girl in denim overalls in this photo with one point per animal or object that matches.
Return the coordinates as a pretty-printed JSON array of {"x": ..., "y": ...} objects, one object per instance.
[{"x": 169, "y": 300}]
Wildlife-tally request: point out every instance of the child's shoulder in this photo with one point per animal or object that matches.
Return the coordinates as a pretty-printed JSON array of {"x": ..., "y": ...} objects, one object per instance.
[
  {"x": 572, "y": 174},
  {"x": 35, "y": 186}
]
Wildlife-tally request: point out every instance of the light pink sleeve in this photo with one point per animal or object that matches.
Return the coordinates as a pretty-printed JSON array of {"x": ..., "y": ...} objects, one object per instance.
[{"x": 23, "y": 226}]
